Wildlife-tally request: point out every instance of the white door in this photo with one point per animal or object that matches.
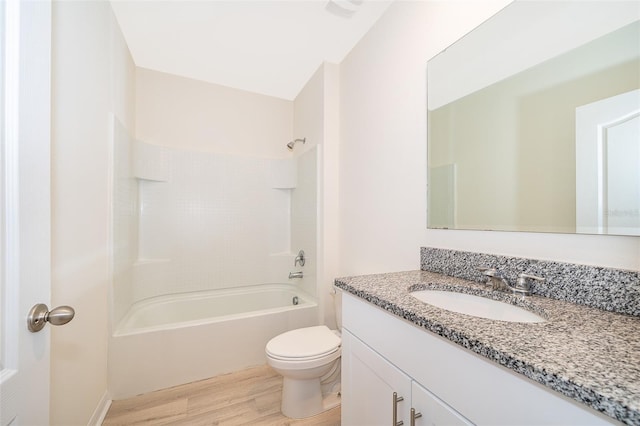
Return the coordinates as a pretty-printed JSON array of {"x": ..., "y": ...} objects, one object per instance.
[
  {"x": 608, "y": 165},
  {"x": 25, "y": 213}
]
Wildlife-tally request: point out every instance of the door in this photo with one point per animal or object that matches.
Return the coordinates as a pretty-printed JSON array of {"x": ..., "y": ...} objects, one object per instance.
[
  {"x": 25, "y": 213},
  {"x": 608, "y": 165},
  {"x": 372, "y": 388}
]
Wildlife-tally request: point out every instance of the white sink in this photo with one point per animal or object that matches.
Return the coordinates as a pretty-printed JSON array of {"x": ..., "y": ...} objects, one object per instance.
[{"x": 475, "y": 305}]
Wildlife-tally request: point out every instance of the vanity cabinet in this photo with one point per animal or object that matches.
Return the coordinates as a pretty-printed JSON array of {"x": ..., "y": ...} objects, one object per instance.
[
  {"x": 378, "y": 393},
  {"x": 444, "y": 383}
]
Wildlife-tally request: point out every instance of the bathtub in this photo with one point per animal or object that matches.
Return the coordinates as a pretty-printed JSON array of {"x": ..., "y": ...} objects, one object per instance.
[{"x": 170, "y": 340}]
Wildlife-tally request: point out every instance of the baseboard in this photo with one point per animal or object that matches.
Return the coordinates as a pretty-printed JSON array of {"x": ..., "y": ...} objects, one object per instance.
[{"x": 101, "y": 410}]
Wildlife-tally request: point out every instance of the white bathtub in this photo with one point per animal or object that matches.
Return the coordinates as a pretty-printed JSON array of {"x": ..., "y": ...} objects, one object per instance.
[{"x": 171, "y": 340}]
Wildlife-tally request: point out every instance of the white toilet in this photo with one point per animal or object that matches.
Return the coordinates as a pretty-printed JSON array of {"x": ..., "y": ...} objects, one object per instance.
[{"x": 309, "y": 361}]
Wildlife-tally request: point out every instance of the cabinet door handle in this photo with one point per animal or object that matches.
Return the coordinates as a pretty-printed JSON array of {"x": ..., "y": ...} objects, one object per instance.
[
  {"x": 396, "y": 399},
  {"x": 414, "y": 416}
]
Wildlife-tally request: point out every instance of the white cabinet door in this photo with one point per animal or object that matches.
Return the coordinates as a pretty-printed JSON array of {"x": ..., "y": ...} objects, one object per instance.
[
  {"x": 368, "y": 385},
  {"x": 432, "y": 410}
]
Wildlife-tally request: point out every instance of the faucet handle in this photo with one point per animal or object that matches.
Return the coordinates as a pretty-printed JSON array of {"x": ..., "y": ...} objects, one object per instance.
[
  {"x": 495, "y": 278},
  {"x": 523, "y": 281},
  {"x": 525, "y": 277},
  {"x": 490, "y": 272},
  {"x": 300, "y": 259}
]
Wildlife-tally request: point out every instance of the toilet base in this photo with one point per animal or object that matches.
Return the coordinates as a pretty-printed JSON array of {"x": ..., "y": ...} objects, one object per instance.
[{"x": 303, "y": 398}]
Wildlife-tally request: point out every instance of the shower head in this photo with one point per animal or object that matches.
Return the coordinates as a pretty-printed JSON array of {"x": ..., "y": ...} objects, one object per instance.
[{"x": 293, "y": 142}]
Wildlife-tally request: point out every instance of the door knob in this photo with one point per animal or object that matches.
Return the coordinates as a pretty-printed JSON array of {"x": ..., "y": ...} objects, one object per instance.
[{"x": 40, "y": 314}]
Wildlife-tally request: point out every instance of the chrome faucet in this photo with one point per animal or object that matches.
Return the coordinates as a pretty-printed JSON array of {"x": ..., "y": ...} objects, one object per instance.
[
  {"x": 499, "y": 282},
  {"x": 293, "y": 275}
]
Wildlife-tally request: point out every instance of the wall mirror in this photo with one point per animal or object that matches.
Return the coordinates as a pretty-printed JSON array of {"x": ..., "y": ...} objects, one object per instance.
[{"x": 534, "y": 121}]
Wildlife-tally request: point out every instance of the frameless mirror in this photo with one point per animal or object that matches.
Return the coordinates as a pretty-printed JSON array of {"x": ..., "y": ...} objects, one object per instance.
[{"x": 534, "y": 121}]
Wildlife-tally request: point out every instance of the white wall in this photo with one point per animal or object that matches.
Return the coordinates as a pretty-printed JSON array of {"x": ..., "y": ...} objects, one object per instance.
[
  {"x": 92, "y": 76},
  {"x": 329, "y": 215},
  {"x": 383, "y": 152},
  {"x": 189, "y": 114},
  {"x": 124, "y": 221},
  {"x": 316, "y": 117}
]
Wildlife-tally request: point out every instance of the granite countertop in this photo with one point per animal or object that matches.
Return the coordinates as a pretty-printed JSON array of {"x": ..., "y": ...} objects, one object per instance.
[{"x": 585, "y": 353}]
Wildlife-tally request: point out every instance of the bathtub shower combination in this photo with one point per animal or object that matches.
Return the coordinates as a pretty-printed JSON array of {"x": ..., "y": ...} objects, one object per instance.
[{"x": 203, "y": 245}]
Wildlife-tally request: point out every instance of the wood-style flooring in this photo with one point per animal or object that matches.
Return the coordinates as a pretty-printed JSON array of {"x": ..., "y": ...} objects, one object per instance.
[{"x": 248, "y": 397}]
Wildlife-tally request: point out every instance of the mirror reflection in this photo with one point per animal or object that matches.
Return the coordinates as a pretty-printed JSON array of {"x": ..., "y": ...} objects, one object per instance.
[{"x": 534, "y": 122}]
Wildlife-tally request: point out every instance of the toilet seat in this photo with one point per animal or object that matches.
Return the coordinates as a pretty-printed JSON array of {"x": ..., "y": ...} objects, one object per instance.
[{"x": 304, "y": 344}]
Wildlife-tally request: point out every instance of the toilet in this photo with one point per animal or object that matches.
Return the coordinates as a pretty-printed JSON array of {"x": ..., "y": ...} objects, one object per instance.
[{"x": 309, "y": 361}]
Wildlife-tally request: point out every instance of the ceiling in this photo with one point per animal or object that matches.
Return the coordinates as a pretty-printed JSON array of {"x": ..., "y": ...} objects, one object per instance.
[{"x": 262, "y": 46}]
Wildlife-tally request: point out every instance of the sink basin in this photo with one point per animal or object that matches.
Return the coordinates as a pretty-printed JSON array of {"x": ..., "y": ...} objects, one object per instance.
[{"x": 476, "y": 306}]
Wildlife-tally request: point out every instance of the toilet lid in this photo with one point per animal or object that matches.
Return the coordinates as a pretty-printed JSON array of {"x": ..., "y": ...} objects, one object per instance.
[{"x": 309, "y": 342}]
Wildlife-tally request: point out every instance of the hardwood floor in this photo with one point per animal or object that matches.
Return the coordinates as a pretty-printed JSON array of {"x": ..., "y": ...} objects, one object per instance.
[{"x": 248, "y": 397}]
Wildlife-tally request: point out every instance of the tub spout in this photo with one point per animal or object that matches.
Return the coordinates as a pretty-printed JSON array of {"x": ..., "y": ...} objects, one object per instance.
[{"x": 293, "y": 275}]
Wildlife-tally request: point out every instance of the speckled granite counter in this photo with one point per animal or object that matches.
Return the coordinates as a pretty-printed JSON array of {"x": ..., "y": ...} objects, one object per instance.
[{"x": 587, "y": 354}]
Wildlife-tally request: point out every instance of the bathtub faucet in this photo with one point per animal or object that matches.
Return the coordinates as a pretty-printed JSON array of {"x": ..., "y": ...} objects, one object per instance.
[{"x": 293, "y": 275}]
